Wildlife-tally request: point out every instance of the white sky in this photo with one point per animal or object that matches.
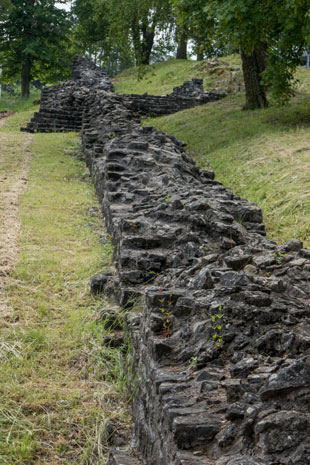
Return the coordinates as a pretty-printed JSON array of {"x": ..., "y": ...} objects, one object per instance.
[{"x": 65, "y": 6}]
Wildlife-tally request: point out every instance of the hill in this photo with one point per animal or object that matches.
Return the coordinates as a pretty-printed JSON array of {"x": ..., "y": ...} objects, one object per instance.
[
  {"x": 160, "y": 78},
  {"x": 262, "y": 155}
]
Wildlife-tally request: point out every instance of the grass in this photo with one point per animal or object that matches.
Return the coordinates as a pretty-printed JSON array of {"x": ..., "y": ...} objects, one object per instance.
[
  {"x": 23, "y": 108},
  {"x": 15, "y": 103},
  {"x": 17, "y": 121},
  {"x": 59, "y": 384},
  {"x": 160, "y": 78},
  {"x": 262, "y": 155}
]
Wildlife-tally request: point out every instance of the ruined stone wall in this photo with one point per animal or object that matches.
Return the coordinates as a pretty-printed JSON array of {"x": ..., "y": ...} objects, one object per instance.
[
  {"x": 61, "y": 109},
  {"x": 156, "y": 105},
  {"x": 222, "y": 344},
  {"x": 62, "y": 105},
  {"x": 195, "y": 252},
  {"x": 64, "y": 113}
]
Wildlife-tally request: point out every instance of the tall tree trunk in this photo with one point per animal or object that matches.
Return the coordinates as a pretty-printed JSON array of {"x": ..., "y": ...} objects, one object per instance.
[
  {"x": 135, "y": 31},
  {"x": 182, "y": 44},
  {"x": 253, "y": 65},
  {"x": 148, "y": 35},
  {"x": 25, "y": 77},
  {"x": 260, "y": 54}
]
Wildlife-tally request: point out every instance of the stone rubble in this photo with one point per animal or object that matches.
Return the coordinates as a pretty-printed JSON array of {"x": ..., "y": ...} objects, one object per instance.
[
  {"x": 193, "y": 88},
  {"x": 222, "y": 346}
]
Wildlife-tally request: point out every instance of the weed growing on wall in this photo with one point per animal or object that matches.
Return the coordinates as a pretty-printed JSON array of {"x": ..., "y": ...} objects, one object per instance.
[
  {"x": 217, "y": 327},
  {"x": 166, "y": 312}
]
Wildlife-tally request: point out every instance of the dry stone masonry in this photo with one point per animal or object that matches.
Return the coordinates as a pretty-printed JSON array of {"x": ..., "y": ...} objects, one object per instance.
[
  {"x": 62, "y": 106},
  {"x": 222, "y": 346}
]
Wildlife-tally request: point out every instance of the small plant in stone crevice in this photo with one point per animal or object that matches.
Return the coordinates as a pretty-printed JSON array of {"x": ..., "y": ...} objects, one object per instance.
[
  {"x": 217, "y": 326},
  {"x": 193, "y": 363},
  {"x": 278, "y": 257},
  {"x": 240, "y": 218},
  {"x": 166, "y": 316},
  {"x": 167, "y": 198}
]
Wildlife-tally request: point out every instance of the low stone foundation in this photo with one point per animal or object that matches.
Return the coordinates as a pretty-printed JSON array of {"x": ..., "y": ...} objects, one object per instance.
[{"x": 222, "y": 346}]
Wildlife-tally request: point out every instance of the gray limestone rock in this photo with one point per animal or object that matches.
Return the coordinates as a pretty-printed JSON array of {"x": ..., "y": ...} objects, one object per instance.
[
  {"x": 292, "y": 378},
  {"x": 244, "y": 460}
]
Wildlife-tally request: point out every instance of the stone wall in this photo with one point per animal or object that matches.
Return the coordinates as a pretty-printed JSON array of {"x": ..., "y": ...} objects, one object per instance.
[
  {"x": 61, "y": 109},
  {"x": 190, "y": 247},
  {"x": 156, "y": 105},
  {"x": 222, "y": 346},
  {"x": 62, "y": 105}
]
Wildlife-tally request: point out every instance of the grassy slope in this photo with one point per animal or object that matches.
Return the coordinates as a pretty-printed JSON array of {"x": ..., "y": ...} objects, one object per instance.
[
  {"x": 262, "y": 155},
  {"x": 58, "y": 383},
  {"x": 160, "y": 79}
]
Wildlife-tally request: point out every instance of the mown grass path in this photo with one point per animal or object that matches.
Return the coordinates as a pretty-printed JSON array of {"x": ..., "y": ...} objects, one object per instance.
[
  {"x": 59, "y": 384},
  {"x": 15, "y": 159}
]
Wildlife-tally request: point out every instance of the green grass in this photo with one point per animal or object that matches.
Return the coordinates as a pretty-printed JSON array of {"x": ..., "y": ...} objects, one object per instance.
[
  {"x": 23, "y": 109},
  {"x": 17, "y": 121},
  {"x": 160, "y": 78},
  {"x": 58, "y": 383},
  {"x": 16, "y": 103},
  {"x": 262, "y": 155}
]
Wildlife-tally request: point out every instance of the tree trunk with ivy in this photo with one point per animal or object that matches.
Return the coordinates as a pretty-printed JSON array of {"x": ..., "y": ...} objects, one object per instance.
[{"x": 200, "y": 56}]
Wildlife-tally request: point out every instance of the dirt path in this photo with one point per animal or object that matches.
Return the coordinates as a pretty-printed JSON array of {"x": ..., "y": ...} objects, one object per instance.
[{"x": 15, "y": 159}]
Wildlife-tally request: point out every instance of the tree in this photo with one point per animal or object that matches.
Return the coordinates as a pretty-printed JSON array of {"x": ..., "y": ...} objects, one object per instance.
[
  {"x": 121, "y": 33},
  {"x": 284, "y": 52},
  {"x": 182, "y": 39},
  {"x": 135, "y": 24},
  {"x": 33, "y": 41},
  {"x": 5, "y": 8},
  {"x": 238, "y": 21},
  {"x": 246, "y": 25},
  {"x": 269, "y": 34},
  {"x": 91, "y": 26},
  {"x": 92, "y": 36}
]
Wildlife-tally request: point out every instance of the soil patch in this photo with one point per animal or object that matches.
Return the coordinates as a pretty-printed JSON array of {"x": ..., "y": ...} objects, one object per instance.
[{"x": 5, "y": 114}]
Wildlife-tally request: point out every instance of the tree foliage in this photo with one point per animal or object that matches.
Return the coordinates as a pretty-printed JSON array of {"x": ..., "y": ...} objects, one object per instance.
[
  {"x": 5, "y": 8},
  {"x": 93, "y": 35},
  {"x": 121, "y": 33},
  {"x": 134, "y": 25},
  {"x": 282, "y": 27},
  {"x": 91, "y": 23},
  {"x": 33, "y": 42}
]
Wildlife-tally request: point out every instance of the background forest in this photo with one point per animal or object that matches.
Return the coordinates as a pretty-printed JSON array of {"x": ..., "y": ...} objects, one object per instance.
[{"x": 38, "y": 38}]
